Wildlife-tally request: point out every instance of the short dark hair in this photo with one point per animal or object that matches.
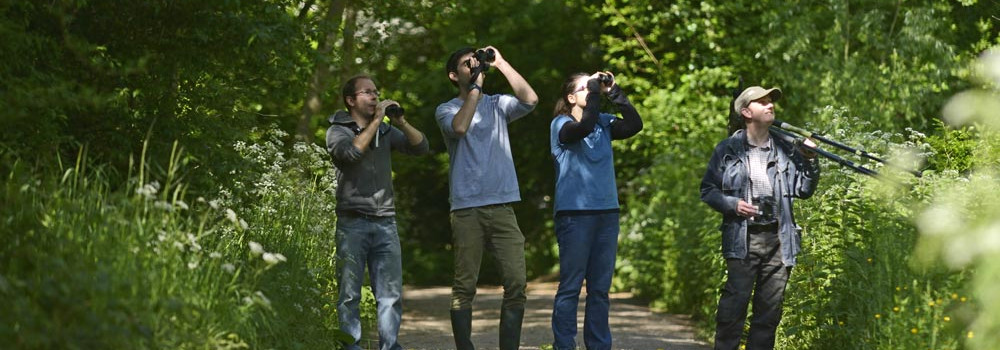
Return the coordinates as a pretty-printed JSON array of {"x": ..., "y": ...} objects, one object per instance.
[
  {"x": 452, "y": 65},
  {"x": 350, "y": 88}
]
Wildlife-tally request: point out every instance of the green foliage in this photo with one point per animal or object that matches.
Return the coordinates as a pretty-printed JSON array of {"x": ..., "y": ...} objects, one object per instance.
[
  {"x": 855, "y": 279},
  {"x": 107, "y": 73},
  {"x": 955, "y": 147},
  {"x": 146, "y": 266},
  {"x": 959, "y": 225}
]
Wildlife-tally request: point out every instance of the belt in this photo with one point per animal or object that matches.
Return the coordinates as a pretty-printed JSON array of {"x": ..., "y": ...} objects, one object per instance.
[
  {"x": 357, "y": 214},
  {"x": 765, "y": 228},
  {"x": 490, "y": 206}
]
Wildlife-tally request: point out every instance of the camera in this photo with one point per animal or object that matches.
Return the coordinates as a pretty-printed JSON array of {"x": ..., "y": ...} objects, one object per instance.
[
  {"x": 605, "y": 79},
  {"x": 767, "y": 210},
  {"x": 394, "y": 111}
]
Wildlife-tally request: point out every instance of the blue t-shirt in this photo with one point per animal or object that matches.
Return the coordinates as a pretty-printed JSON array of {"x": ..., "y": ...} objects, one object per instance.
[
  {"x": 585, "y": 169},
  {"x": 481, "y": 168}
]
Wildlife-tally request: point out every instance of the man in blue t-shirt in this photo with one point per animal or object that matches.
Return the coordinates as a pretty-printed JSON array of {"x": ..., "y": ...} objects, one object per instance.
[{"x": 482, "y": 184}]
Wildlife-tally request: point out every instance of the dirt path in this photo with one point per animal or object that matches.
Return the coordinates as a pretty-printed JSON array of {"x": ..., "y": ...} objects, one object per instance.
[{"x": 426, "y": 323}]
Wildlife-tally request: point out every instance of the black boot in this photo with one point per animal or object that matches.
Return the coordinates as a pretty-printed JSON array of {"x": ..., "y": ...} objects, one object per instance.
[
  {"x": 461, "y": 327},
  {"x": 510, "y": 328}
]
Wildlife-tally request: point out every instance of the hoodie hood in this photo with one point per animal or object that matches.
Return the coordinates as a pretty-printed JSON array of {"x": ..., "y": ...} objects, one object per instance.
[{"x": 341, "y": 118}]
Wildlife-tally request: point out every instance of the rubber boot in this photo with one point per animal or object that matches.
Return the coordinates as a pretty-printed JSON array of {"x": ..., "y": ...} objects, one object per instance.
[
  {"x": 461, "y": 327},
  {"x": 510, "y": 328}
]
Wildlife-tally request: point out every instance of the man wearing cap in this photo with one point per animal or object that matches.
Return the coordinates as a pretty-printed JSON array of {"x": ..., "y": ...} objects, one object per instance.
[{"x": 751, "y": 180}]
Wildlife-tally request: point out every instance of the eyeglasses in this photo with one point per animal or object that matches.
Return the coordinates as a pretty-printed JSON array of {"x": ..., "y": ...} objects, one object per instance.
[
  {"x": 373, "y": 93},
  {"x": 580, "y": 88}
]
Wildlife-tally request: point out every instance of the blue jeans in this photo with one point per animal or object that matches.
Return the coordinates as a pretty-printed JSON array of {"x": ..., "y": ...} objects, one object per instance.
[
  {"x": 369, "y": 242},
  {"x": 761, "y": 276},
  {"x": 587, "y": 248}
]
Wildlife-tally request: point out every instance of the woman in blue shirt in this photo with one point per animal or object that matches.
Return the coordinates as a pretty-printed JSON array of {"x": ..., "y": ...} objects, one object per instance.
[{"x": 586, "y": 202}]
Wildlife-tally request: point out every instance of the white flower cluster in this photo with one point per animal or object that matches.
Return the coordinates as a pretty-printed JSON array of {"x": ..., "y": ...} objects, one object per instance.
[
  {"x": 239, "y": 222},
  {"x": 148, "y": 191},
  {"x": 270, "y": 258}
]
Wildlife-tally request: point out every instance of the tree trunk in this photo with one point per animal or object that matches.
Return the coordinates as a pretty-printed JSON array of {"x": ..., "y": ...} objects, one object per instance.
[
  {"x": 347, "y": 65},
  {"x": 318, "y": 83}
]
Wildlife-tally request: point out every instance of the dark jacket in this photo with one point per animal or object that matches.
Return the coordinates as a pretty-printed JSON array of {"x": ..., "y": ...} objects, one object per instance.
[
  {"x": 364, "y": 180},
  {"x": 726, "y": 180}
]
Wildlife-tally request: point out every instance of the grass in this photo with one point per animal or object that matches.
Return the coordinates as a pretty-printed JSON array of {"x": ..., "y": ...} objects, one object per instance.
[{"x": 89, "y": 263}]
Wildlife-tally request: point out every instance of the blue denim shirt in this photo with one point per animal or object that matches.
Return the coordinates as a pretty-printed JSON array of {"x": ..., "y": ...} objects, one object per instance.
[{"x": 726, "y": 179}]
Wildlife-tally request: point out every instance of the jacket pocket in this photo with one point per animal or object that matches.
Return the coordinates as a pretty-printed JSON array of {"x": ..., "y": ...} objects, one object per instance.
[{"x": 733, "y": 176}]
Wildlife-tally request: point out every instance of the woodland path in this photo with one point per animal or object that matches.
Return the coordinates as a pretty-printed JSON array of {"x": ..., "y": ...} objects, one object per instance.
[{"x": 426, "y": 323}]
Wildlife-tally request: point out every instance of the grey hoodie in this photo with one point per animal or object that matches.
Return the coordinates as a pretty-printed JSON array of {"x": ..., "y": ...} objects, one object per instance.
[{"x": 364, "y": 180}]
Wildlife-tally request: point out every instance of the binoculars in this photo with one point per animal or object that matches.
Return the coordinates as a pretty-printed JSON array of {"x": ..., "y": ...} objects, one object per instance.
[
  {"x": 485, "y": 56},
  {"x": 605, "y": 79},
  {"x": 767, "y": 210},
  {"x": 394, "y": 111}
]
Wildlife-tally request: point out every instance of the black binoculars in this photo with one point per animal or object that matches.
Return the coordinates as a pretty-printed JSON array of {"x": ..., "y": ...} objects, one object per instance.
[
  {"x": 393, "y": 111},
  {"x": 767, "y": 210},
  {"x": 605, "y": 79},
  {"x": 485, "y": 56}
]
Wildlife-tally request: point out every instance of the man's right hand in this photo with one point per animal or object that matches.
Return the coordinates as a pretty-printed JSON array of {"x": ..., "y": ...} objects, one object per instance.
[
  {"x": 745, "y": 209},
  {"x": 380, "y": 109}
]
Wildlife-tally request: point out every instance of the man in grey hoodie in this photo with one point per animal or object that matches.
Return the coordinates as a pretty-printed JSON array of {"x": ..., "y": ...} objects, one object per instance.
[{"x": 360, "y": 145}]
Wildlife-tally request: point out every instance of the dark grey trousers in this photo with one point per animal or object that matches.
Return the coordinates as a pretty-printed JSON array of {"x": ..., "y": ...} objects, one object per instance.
[{"x": 761, "y": 275}]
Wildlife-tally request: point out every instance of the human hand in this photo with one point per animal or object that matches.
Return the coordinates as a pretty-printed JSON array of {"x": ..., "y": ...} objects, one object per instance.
[
  {"x": 606, "y": 80},
  {"x": 497, "y": 57},
  {"x": 807, "y": 147},
  {"x": 380, "y": 109},
  {"x": 745, "y": 209},
  {"x": 396, "y": 113}
]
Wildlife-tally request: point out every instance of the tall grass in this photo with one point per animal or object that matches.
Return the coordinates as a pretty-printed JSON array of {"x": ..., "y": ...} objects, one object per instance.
[{"x": 90, "y": 264}]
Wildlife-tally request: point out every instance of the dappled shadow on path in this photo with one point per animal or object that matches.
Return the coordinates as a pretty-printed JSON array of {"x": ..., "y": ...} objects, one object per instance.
[{"x": 426, "y": 323}]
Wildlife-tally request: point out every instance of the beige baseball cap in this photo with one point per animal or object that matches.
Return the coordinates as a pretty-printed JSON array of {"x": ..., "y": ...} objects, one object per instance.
[{"x": 753, "y": 93}]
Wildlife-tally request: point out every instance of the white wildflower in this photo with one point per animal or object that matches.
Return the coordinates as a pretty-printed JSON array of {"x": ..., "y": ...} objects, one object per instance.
[
  {"x": 193, "y": 241},
  {"x": 214, "y": 204},
  {"x": 231, "y": 216},
  {"x": 193, "y": 264},
  {"x": 149, "y": 190},
  {"x": 274, "y": 258},
  {"x": 228, "y": 268},
  {"x": 215, "y": 255},
  {"x": 163, "y": 206},
  {"x": 263, "y": 300},
  {"x": 256, "y": 248},
  {"x": 179, "y": 245},
  {"x": 181, "y": 204},
  {"x": 243, "y": 224}
]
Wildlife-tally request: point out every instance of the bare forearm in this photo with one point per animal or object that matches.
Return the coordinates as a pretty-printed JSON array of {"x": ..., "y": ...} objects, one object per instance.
[
  {"x": 460, "y": 124},
  {"x": 365, "y": 138},
  {"x": 522, "y": 90}
]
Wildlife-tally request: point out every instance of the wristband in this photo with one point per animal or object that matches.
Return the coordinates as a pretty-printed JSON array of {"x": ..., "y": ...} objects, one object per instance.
[{"x": 473, "y": 86}]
